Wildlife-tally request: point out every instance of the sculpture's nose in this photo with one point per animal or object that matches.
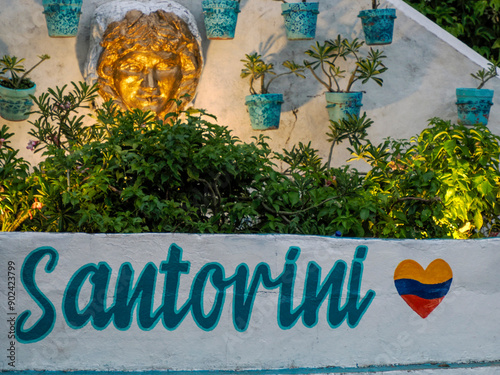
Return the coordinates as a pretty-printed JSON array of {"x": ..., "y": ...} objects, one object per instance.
[{"x": 149, "y": 79}]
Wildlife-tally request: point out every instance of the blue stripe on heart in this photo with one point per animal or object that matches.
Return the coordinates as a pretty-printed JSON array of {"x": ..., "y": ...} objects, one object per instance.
[{"x": 426, "y": 291}]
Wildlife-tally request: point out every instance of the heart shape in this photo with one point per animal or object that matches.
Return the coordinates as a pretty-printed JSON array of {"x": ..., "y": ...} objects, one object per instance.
[{"x": 423, "y": 290}]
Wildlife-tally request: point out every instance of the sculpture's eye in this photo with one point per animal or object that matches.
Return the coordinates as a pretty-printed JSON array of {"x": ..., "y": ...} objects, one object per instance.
[
  {"x": 165, "y": 66},
  {"x": 131, "y": 67}
]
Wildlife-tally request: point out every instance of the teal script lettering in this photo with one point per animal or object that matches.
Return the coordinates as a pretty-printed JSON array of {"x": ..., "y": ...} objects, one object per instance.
[{"x": 138, "y": 295}]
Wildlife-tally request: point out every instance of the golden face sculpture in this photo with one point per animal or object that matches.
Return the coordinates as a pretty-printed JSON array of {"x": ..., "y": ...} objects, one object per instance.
[{"x": 147, "y": 61}]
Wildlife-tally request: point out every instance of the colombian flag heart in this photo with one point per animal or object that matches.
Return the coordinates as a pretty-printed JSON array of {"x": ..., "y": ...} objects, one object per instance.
[{"x": 423, "y": 290}]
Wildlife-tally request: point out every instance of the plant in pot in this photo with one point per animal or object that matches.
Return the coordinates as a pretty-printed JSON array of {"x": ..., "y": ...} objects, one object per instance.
[
  {"x": 16, "y": 88},
  {"x": 62, "y": 17},
  {"x": 474, "y": 104},
  {"x": 300, "y": 19},
  {"x": 378, "y": 24},
  {"x": 220, "y": 17},
  {"x": 265, "y": 108},
  {"x": 326, "y": 68}
]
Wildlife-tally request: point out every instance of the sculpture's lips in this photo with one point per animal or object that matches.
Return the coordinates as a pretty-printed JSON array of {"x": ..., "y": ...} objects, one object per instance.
[{"x": 149, "y": 98}]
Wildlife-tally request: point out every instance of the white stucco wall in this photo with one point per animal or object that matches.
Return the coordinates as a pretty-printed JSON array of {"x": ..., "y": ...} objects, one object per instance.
[
  {"x": 460, "y": 336},
  {"x": 425, "y": 65}
]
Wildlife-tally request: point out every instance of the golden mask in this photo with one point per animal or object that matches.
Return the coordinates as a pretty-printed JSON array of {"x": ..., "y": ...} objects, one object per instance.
[{"x": 147, "y": 61}]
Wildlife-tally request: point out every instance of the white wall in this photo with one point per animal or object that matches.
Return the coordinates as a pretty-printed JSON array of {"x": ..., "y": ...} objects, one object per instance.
[
  {"x": 461, "y": 333},
  {"x": 425, "y": 66}
]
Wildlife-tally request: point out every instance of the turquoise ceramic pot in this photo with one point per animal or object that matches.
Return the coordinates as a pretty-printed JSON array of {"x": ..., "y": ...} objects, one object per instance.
[
  {"x": 378, "y": 25},
  {"x": 342, "y": 104},
  {"x": 15, "y": 103},
  {"x": 62, "y": 17},
  {"x": 300, "y": 20},
  {"x": 473, "y": 105},
  {"x": 264, "y": 110},
  {"x": 220, "y": 18}
]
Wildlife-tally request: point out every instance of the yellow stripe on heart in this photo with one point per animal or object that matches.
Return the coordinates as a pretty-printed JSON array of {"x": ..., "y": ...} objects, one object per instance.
[{"x": 437, "y": 272}]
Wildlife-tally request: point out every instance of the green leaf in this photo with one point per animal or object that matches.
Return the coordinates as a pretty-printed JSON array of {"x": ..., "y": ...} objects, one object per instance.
[
  {"x": 450, "y": 146},
  {"x": 426, "y": 213},
  {"x": 400, "y": 215},
  {"x": 294, "y": 197},
  {"x": 485, "y": 188},
  {"x": 194, "y": 174},
  {"x": 478, "y": 220},
  {"x": 364, "y": 214}
]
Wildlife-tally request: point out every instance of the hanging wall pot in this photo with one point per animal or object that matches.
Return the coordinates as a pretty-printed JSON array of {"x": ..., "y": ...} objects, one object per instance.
[
  {"x": 15, "y": 103},
  {"x": 220, "y": 18},
  {"x": 378, "y": 25},
  {"x": 63, "y": 17},
  {"x": 473, "y": 105},
  {"x": 300, "y": 20},
  {"x": 342, "y": 104},
  {"x": 264, "y": 110}
]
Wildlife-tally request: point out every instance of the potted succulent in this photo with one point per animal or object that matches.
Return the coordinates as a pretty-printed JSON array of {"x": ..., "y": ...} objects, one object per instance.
[
  {"x": 326, "y": 69},
  {"x": 378, "y": 24},
  {"x": 16, "y": 88},
  {"x": 62, "y": 17},
  {"x": 220, "y": 17},
  {"x": 474, "y": 104},
  {"x": 265, "y": 108},
  {"x": 300, "y": 19}
]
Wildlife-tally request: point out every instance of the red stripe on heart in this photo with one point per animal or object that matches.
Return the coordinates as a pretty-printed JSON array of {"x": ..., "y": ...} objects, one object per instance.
[{"x": 422, "y": 306}]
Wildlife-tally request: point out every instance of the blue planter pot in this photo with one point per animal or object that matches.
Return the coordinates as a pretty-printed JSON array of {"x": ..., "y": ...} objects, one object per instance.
[
  {"x": 342, "y": 104},
  {"x": 15, "y": 103},
  {"x": 264, "y": 110},
  {"x": 378, "y": 25},
  {"x": 473, "y": 105},
  {"x": 62, "y": 17},
  {"x": 300, "y": 20},
  {"x": 220, "y": 18}
]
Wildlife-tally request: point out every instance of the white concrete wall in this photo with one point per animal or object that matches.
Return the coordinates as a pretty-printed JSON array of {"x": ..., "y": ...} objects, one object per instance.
[
  {"x": 425, "y": 66},
  {"x": 461, "y": 336}
]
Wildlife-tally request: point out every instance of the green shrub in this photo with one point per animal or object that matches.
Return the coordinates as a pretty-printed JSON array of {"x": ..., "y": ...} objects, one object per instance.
[
  {"x": 185, "y": 175},
  {"x": 475, "y": 22},
  {"x": 130, "y": 172},
  {"x": 445, "y": 183},
  {"x": 17, "y": 187}
]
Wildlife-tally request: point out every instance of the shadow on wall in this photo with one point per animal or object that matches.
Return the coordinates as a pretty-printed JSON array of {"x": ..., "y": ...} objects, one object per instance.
[
  {"x": 4, "y": 48},
  {"x": 408, "y": 57},
  {"x": 408, "y": 61}
]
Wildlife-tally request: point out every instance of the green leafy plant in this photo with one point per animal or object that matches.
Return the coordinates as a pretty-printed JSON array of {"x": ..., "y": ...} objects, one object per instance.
[
  {"x": 257, "y": 69},
  {"x": 185, "y": 174},
  {"x": 474, "y": 22},
  {"x": 18, "y": 75},
  {"x": 352, "y": 128},
  {"x": 310, "y": 198},
  {"x": 484, "y": 75},
  {"x": 326, "y": 58},
  {"x": 131, "y": 172},
  {"x": 17, "y": 187},
  {"x": 60, "y": 124},
  {"x": 445, "y": 183}
]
